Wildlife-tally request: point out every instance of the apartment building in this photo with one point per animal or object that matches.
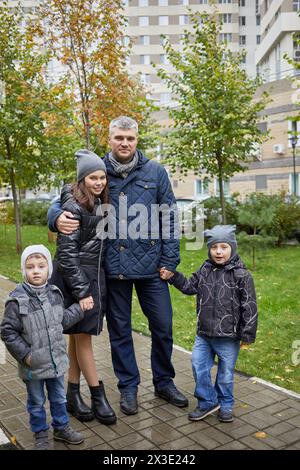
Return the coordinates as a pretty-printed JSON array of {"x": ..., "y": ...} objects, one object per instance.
[{"x": 149, "y": 19}]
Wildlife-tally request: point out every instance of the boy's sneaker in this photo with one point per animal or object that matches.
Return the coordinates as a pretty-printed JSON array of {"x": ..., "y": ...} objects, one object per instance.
[
  {"x": 201, "y": 413},
  {"x": 225, "y": 416},
  {"x": 41, "y": 440},
  {"x": 68, "y": 435}
]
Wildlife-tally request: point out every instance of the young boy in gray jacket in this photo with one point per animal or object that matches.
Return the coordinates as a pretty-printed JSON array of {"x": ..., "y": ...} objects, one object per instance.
[
  {"x": 227, "y": 319},
  {"x": 32, "y": 330}
]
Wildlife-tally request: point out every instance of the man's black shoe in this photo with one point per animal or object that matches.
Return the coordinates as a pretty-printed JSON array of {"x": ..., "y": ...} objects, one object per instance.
[
  {"x": 172, "y": 395},
  {"x": 128, "y": 402}
]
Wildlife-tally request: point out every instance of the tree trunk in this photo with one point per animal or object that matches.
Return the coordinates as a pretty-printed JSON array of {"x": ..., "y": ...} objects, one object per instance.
[
  {"x": 16, "y": 213},
  {"x": 87, "y": 129},
  {"x": 222, "y": 199}
]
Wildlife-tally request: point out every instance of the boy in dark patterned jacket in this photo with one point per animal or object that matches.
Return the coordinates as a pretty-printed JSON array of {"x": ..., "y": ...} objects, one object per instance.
[
  {"x": 227, "y": 320},
  {"x": 32, "y": 330}
]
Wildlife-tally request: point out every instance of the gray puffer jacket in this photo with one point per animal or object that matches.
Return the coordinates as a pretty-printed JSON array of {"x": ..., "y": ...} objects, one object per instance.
[
  {"x": 226, "y": 300},
  {"x": 33, "y": 324}
]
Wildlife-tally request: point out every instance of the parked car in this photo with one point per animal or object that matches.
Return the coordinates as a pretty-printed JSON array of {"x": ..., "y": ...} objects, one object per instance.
[{"x": 191, "y": 214}]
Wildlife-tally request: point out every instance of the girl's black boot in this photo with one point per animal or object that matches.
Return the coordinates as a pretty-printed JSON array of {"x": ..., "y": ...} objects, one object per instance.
[
  {"x": 100, "y": 406},
  {"x": 76, "y": 405}
]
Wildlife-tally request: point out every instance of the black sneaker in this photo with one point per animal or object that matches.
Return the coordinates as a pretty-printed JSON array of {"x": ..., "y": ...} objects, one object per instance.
[
  {"x": 225, "y": 416},
  {"x": 172, "y": 395},
  {"x": 68, "y": 435},
  {"x": 201, "y": 413},
  {"x": 41, "y": 440},
  {"x": 128, "y": 402}
]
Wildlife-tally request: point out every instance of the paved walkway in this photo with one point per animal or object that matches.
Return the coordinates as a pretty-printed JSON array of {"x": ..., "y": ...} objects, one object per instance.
[{"x": 259, "y": 409}]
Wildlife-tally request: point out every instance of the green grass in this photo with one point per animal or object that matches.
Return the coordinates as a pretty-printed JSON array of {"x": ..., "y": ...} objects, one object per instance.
[{"x": 277, "y": 280}]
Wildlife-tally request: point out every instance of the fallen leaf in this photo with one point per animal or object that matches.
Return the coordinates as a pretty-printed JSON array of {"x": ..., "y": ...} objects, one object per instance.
[
  {"x": 13, "y": 440},
  {"x": 260, "y": 435}
]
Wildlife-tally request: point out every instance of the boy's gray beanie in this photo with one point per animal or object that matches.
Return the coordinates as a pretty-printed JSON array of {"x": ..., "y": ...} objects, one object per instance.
[
  {"x": 33, "y": 250},
  {"x": 222, "y": 234},
  {"x": 87, "y": 163}
]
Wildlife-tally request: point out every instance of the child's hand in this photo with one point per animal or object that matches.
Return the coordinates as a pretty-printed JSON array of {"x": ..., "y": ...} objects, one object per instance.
[
  {"x": 244, "y": 345},
  {"x": 28, "y": 360},
  {"x": 165, "y": 274},
  {"x": 87, "y": 303}
]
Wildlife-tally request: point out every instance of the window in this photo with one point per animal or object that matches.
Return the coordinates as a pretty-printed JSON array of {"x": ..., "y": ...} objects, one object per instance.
[
  {"x": 260, "y": 182},
  {"x": 242, "y": 3},
  {"x": 242, "y": 20},
  {"x": 203, "y": 2},
  {"x": 145, "y": 78},
  {"x": 257, "y": 20},
  {"x": 224, "y": 1},
  {"x": 258, "y": 39},
  {"x": 183, "y": 19},
  {"x": 225, "y": 188},
  {"x": 183, "y": 2},
  {"x": 163, "y": 40},
  {"x": 144, "y": 40},
  {"x": 145, "y": 59},
  {"x": 163, "y": 3},
  {"x": 143, "y": 20},
  {"x": 225, "y": 18},
  {"x": 163, "y": 20},
  {"x": 242, "y": 40},
  {"x": 201, "y": 188},
  {"x": 126, "y": 41},
  {"x": 296, "y": 5},
  {"x": 163, "y": 59},
  {"x": 143, "y": 3},
  {"x": 165, "y": 98},
  {"x": 296, "y": 48},
  {"x": 225, "y": 37}
]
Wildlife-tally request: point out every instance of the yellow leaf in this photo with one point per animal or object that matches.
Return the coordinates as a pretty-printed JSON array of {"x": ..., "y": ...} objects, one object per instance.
[
  {"x": 13, "y": 440},
  {"x": 260, "y": 435}
]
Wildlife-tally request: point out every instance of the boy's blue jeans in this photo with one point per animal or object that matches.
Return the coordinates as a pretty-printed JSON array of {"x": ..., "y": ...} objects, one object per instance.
[
  {"x": 36, "y": 401},
  {"x": 204, "y": 351}
]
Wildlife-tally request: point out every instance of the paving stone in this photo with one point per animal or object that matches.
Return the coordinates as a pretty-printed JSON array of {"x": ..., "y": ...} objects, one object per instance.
[
  {"x": 291, "y": 436},
  {"x": 204, "y": 440},
  {"x": 178, "y": 444},
  {"x": 279, "y": 429},
  {"x": 295, "y": 421},
  {"x": 256, "y": 444},
  {"x": 126, "y": 441},
  {"x": 236, "y": 432},
  {"x": 146, "y": 423},
  {"x": 233, "y": 445}
]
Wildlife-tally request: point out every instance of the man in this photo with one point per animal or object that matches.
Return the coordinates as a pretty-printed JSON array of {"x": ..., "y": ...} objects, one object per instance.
[{"x": 134, "y": 179}]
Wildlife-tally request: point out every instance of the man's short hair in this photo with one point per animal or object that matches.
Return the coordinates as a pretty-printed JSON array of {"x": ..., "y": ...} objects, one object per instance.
[{"x": 123, "y": 122}]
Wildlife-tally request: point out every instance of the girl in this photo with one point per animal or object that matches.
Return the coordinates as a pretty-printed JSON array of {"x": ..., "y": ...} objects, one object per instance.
[{"x": 79, "y": 274}]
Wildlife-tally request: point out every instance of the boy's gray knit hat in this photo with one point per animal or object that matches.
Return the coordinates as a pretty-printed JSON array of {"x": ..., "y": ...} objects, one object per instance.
[
  {"x": 87, "y": 163},
  {"x": 33, "y": 250},
  {"x": 222, "y": 234}
]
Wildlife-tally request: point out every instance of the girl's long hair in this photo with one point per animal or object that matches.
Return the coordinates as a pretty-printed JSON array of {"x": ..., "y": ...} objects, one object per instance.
[{"x": 85, "y": 198}]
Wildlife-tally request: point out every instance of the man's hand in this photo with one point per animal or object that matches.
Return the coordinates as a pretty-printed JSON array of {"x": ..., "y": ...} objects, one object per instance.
[
  {"x": 244, "y": 345},
  {"x": 165, "y": 274},
  {"x": 87, "y": 303},
  {"x": 66, "y": 223}
]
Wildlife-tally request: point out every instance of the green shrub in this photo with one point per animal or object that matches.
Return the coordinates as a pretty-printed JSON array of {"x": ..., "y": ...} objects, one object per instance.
[{"x": 32, "y": 213}]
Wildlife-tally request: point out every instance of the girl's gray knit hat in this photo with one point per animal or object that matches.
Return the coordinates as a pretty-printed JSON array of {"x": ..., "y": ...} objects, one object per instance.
[
  {"x": 33, "y": 250},
  {"x": 87, "y": 163},
  {"x": 222, "y": 234}
]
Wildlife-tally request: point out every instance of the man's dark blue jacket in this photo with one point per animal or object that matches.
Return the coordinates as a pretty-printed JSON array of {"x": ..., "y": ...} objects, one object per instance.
[{"x": 128, "y": 258}]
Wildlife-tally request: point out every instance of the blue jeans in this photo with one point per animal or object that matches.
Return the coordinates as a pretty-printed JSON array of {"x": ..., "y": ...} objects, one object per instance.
[
  {"x": 204, "y": 351},
  {"x": 154, "y": 299},
  {"x": 36, "y": 401}
]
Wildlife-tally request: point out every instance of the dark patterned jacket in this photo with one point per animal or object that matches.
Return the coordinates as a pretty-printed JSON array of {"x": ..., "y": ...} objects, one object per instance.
[{"x": 226, "y": 300}]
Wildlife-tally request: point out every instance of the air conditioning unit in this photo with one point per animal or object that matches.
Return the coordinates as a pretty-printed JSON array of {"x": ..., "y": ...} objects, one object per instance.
[
  {"x": 297, "y": 54},
  {"x": 278, "y": 148}
]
